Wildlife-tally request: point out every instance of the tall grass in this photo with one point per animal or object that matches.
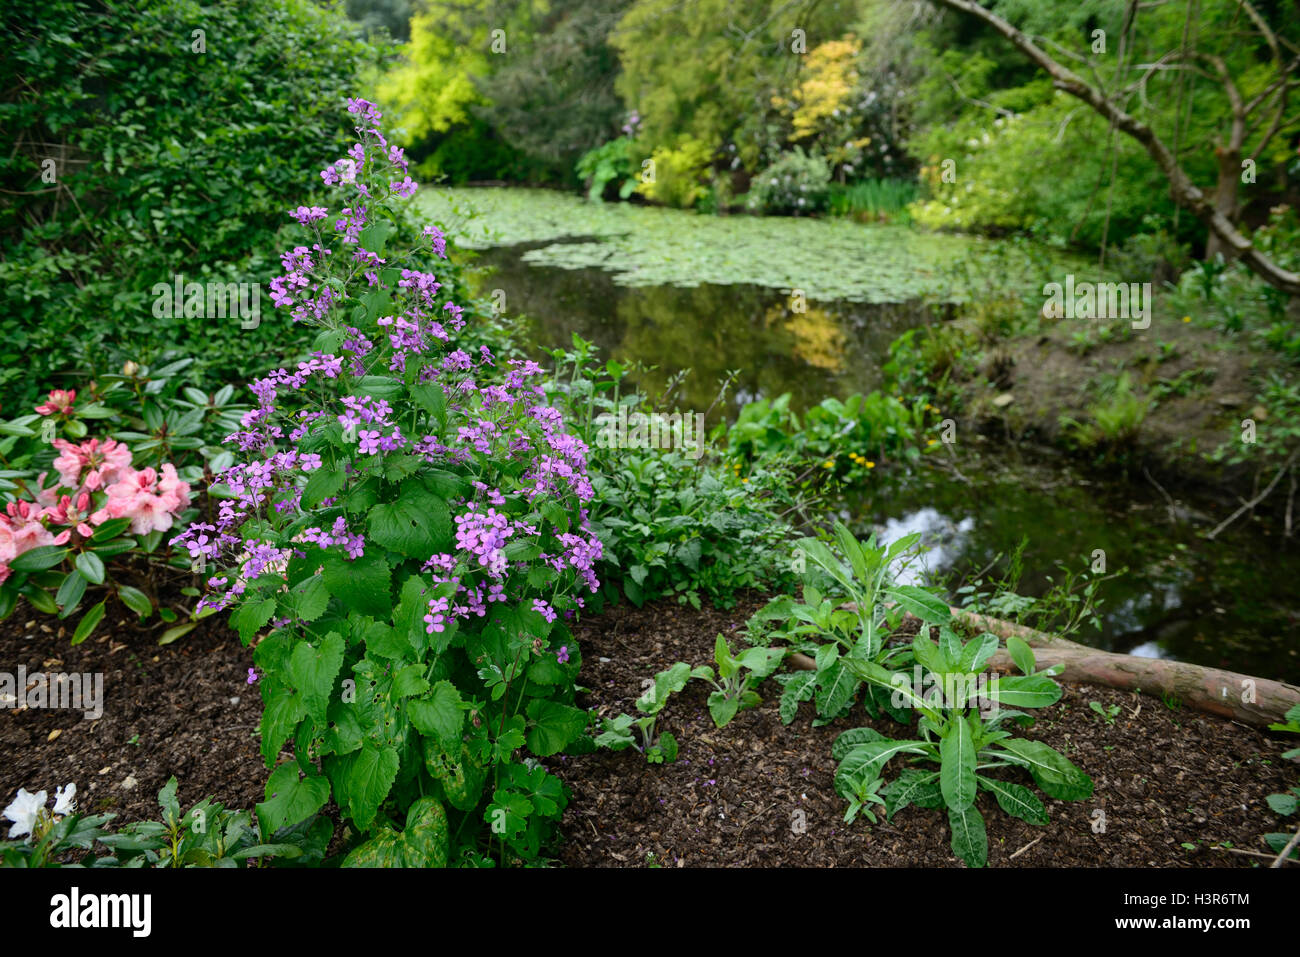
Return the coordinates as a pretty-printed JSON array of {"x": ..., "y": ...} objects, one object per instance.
[{"x": 873, "y": 200}]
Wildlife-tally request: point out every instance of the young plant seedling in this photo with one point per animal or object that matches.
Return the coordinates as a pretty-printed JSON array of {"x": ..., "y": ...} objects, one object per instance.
[{"x": 1107, "y": 714}]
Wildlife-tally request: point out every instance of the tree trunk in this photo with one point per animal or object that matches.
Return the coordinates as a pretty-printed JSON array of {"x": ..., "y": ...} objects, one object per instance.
[{"x": 1226, "y": 201}]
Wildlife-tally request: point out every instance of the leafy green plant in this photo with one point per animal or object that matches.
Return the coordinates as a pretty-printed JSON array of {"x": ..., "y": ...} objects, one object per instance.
[
  {"x": 1286, "y": 804},
  {"x": 737, "y": 677},
  {"x": 850, "y": 605},
  {"x": 616, "y": 732},
  {"x": 961, "y": 729},
  {"x": 608, "y": 163},
  {"x": 796, "y": 184},
  {"x": 207, "y": 835},
  {"x": 407, "y": 531},
  {"x": 673, "y": 522},
  {"x": 1107, "y": 714}
]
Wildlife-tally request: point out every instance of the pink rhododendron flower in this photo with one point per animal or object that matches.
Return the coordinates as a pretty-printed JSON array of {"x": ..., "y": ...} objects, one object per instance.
[
  {"x": 59, "y": 401},
  {"x": 151, "y": 501},
  {"x": 106, "y": 461}
]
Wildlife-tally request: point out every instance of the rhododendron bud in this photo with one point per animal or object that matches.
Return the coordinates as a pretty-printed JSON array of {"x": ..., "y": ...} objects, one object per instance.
[{"x": 59, "y": 402}]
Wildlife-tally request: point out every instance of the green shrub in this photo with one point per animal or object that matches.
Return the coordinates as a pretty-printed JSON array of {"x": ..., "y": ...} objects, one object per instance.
[
  {"x": 797, "y": 183},
  {"x": 165, "y": 162}
]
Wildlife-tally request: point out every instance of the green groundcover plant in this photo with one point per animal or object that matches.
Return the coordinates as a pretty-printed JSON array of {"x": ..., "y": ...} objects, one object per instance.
[{"x": 405, "y": 535}]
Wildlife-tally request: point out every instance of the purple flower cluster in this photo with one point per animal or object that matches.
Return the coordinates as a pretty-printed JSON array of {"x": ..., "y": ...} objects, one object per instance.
[{"x": 499, "y": 426}]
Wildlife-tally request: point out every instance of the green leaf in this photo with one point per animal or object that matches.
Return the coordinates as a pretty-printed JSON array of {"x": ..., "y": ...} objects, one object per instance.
[
  {"x": 251, "y": 616},
  {"x": 722, "y": 708},
  {"x": 362, "y": 780},
  {"x": 417, "y": 525},
  {"x": 91, "y": 567},
  {"x": 70, "y": 593},
  {"x": 282, "y": 709},
  {"x": 1021, "y": 654},
  {"x": 362, "y": 584},
  {"x": 977, "y": 652},
  {"x": 324, "y": 483},
  {"x": 866, "y": 761},
  {"x": 177, "y": 631},
  {"x": 312, "y": 670},
  {"x": 798, "y": 688},
  {"x": 1017, "y": 800},
  {"x": 969, "y": 840},
  {"x": 1284, "y": 804},
  {"x": 439, "y": 714},
  {"x": 87, "y": 624},
  {"x": 921, "y": 603},
  {"x": 430, "y": 397},
  {"x": 852, "y": 738},
  {"x": 36, "y": 559},
  {"x": 552, "y": 726},
  {"x": 110, "y": 529},
  {"x": 1020, "y": 691},
  {"x": 1051, "y": 770},
  {"x": 290, "y": 799},
  {"x": 308, "y": 599},
  {"x": 836, "y": 687},
  {"x": 136, "y": 600},
  {"x": 913, "y": 786},
  {"x": 957, "y": 771}
]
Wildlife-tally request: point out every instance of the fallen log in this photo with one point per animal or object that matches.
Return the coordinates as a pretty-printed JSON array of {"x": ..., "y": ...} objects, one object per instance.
[{"x": 1257, "y": 702}]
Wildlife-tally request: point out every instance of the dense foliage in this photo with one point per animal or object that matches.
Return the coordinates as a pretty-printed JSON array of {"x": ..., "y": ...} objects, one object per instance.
[{"x": 150, "y": 142}]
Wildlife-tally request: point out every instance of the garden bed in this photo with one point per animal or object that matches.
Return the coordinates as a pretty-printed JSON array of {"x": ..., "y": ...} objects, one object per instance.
[{"x": 1164, "y": 778}]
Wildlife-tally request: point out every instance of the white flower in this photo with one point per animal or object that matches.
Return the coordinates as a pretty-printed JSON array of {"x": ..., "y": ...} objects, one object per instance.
[
  {"x": 347, "y": 170},
  {"x": 23, "y": 812},
  {"x": 64, "y": 799}
]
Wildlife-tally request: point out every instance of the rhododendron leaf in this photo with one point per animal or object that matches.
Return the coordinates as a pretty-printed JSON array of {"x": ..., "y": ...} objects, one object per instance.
[
  {"x": 110, "y": 529},
  {"x": 69, "y": 593},
  {"x": 362, "y": 780},
  {"x": 250, "y": 616},
  {"x": 417, "y": 525},
  {"x": 43, "y": 556},
  {"x": 362, "y": 584},
  {"x": 439, "y": 714},
  {"x": 87, "y": 624},
  {"x": 8, "y": 600},
  {"x": 177, "y": 631},
  {"x": 324, "y": 483},
  {"x": 312, "y": 671},
  {"x": 290, "y": 799}
]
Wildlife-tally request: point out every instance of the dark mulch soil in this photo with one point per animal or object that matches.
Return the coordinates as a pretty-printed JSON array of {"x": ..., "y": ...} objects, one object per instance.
[
  {"x": 1162, "y": 777},
  {"x": 184, "y": 709},
  {"x": 736, "y": 796}
]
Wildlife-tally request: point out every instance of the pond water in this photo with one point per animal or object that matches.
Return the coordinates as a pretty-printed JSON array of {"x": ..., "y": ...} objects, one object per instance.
[{"x": 672, "y": 290}]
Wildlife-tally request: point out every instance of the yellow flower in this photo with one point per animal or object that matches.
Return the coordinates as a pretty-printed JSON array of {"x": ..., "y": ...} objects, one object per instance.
[
  {"x": 870, "y": 465},
  {"x": 930, "y": 441},
  {"x": 1187, "y": 318},
  {"x": 744, "y": 481},
  {"x": 829, "y": 464}
]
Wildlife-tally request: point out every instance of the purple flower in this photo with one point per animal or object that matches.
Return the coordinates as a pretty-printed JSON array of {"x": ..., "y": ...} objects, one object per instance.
[
  {"x": 563, "y": 656},
  {"x": 252, "y": 675}
]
